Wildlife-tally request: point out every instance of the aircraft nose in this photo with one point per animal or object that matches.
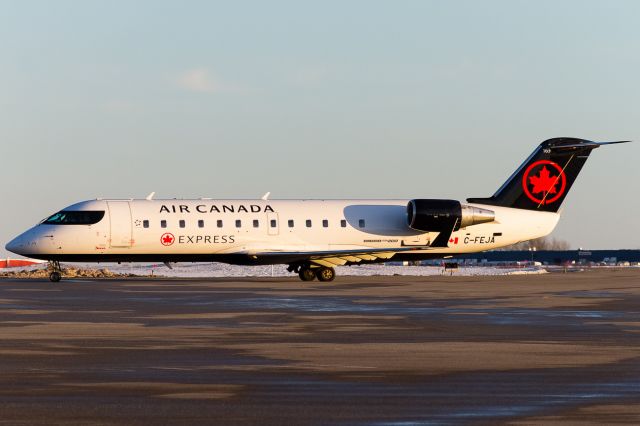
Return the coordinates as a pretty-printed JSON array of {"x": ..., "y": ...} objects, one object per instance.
[
  {"x": 15, "y": 245},
  {"x": 21, "y": 244},
  {"x": 29, "y": 243}
]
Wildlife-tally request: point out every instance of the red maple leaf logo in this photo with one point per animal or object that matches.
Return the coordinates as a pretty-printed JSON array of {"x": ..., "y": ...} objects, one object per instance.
[
  {"x": 544, "y": 182},
  {"x": 167, "y": 239},
  {"x": 546, "y": 187}
]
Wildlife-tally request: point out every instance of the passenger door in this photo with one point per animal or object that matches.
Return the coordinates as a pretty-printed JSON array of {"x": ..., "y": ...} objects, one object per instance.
[{"x": 121, "y": 226}]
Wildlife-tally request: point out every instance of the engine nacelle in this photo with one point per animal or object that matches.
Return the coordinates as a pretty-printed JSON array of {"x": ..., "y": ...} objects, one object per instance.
[{"x": 445, "y": 215}]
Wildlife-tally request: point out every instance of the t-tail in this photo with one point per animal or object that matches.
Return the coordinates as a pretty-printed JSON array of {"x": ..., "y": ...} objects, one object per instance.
[{"x": 543, "y": 181}]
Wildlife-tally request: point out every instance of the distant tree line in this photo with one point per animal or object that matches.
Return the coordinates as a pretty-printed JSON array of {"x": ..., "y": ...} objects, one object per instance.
[{"x": 544, "y": 243}]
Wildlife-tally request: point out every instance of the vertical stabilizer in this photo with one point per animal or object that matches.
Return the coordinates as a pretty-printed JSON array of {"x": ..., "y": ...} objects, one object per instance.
[{"x": 543, "y": 181}]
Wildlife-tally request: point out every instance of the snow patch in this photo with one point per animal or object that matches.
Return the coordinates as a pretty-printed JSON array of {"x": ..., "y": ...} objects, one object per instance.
[{"x": 222, "y": 270}]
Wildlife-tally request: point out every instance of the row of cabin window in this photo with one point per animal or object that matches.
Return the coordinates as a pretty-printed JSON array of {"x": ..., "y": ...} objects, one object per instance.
[{"x": 256, "y": 223}]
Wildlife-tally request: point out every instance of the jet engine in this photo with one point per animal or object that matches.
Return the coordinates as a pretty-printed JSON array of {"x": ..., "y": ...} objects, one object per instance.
[{"x": 445, "y": 217}]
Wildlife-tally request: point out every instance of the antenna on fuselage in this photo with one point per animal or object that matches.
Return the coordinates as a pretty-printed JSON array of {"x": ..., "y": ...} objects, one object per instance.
[
  {"x": 150, "y": 196},
  {"x": 265, "y": 197}
]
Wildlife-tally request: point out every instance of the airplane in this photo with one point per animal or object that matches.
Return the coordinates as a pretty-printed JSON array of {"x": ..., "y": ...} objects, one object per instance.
[{"x": 311, "y": 236}]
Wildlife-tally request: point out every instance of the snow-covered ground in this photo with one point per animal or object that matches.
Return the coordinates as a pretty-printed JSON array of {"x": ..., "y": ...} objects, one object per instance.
[{"x": 224, "y": 270}]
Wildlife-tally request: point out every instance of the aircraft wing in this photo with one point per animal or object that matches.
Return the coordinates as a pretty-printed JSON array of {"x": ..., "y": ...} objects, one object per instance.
[
  {"x": 352, "y": 258},
  {"x": 338, "y": 257}
]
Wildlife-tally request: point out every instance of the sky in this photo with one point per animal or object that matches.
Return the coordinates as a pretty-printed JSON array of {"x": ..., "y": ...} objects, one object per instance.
[{"x": 331, "y": 99}]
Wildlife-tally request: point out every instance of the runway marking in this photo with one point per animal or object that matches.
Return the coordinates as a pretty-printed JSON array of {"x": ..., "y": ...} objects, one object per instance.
[{"x": 314, "y": 366}]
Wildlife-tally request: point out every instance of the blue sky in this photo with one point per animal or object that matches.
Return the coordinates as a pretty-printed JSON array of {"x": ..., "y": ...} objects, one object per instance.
[{"x": 324, "y": 99}]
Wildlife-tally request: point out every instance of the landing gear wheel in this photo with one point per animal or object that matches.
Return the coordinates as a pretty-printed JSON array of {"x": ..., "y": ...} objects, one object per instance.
[
  {"x": 56, "y": 271},
  {"x": 326, "y": 274},
  {"x": 306, "y": 274}
]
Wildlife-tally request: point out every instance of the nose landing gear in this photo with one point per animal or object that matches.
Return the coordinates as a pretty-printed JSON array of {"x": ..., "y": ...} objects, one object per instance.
[{"x": 56, "y": 271}]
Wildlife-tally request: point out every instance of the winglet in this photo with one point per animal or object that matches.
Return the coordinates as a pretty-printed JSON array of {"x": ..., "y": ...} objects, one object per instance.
[
  {"x": 150, "y": 196},
  {"x": 265, "y": 197}
]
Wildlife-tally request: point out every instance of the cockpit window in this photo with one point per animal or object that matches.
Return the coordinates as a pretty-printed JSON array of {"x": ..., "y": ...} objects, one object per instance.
[{"x": 84, "y": 217}]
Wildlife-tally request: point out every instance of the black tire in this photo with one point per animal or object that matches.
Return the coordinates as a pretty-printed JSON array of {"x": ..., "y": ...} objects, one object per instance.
[
  {"x": 326, "y": 274},
  {"x": 307, "y": 274},
  {"x": 55, "y": 277}
]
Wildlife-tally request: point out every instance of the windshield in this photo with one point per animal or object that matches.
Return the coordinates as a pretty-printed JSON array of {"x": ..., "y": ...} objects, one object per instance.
[{"x": 85, "y": 217}]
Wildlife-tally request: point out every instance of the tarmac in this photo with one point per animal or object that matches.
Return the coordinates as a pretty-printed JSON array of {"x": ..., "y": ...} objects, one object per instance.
[{"x": 558, "y": 348}]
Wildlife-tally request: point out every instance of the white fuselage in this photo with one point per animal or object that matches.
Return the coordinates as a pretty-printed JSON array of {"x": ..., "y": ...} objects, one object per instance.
[{"x": 258, "y": 231}]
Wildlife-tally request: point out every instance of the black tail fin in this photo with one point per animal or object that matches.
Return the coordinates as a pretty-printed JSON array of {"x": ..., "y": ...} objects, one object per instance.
[{"x": 545, "y": 178}]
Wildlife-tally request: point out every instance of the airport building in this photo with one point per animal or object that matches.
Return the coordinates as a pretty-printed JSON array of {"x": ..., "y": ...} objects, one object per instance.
[{"x": 553, "y": 257}]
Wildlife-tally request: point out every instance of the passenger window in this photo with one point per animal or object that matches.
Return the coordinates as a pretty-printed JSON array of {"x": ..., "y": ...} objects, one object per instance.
[
  {"x": 200, "y": 223},
  {"x": 361, "y": 223},
  {"x": 145, "y": 223},
  {"x": 219, "y": 223},
  {"x": 273, "y": 223},
  {"x": 256, "y": 223},
  {"x": 182, "y": 223},
  {"x": 238, "y": 223},
  {"x": 290, "y": 223},
  {"x": 163, "y": 223},
  {"x": 325, "y": 223},
  {"x": 343, "y": 223},
  {"x": 308, "y": 223}
]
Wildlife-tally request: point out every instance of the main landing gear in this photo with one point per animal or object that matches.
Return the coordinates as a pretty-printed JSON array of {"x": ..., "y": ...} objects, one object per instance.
[
  {"x": 56, "y": 271},
  {"x": 306, "y": 274},
  {"x": 309, "y": 273},
  {"x": 325, "y": 274}
]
